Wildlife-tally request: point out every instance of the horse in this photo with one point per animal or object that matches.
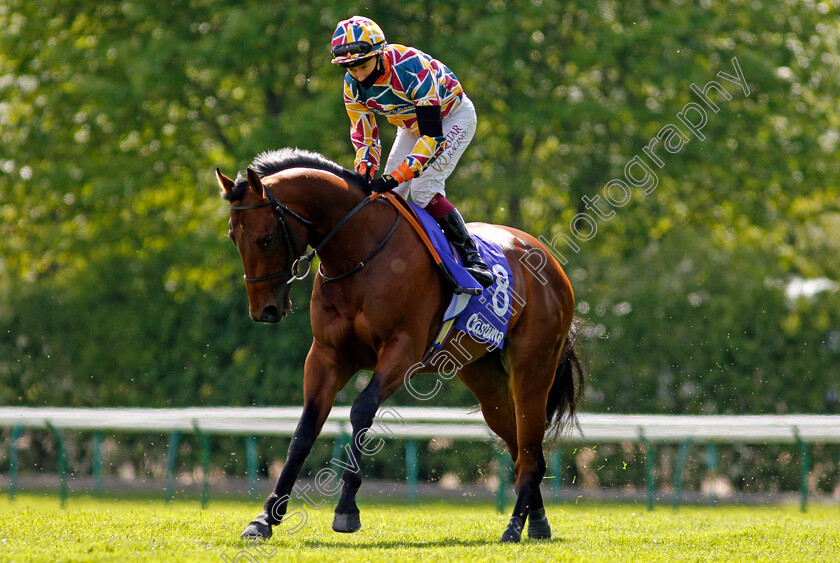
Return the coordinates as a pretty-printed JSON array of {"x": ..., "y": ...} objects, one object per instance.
[{"x": 377, "y": 303}]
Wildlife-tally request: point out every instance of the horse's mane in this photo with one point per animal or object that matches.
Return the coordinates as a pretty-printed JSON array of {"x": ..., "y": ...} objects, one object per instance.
[{"x": 269, "y": 162}]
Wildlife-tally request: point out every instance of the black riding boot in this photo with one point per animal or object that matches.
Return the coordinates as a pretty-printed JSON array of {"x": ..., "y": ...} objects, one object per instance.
[{"x": 456, "y": 231}]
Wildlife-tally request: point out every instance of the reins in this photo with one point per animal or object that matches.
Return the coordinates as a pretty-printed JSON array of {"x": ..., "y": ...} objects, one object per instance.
[{"x": 361, "y": 264}]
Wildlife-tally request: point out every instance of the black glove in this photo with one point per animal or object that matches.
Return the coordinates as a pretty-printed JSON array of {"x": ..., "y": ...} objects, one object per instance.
[{"x": 384, "y": 184}]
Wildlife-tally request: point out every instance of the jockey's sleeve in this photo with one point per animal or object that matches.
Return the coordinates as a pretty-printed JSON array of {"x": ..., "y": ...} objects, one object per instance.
[
  {"x": 430, "y": 144},
  {"x": 364, "y": 134}
]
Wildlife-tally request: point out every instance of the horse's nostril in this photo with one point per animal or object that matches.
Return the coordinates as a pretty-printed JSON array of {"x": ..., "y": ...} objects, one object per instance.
[{"x": 270, "y": 314}]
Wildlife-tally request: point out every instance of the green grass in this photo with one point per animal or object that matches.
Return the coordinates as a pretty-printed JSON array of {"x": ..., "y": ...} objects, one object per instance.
[{"x": 35, "y": 528}]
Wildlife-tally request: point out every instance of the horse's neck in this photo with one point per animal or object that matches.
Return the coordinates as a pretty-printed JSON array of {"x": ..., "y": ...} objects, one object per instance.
[{"x": 325, "y": 200}]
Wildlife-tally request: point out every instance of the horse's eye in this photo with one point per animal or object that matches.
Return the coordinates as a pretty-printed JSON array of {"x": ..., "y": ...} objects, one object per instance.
[{"x": 265, "y": 242}]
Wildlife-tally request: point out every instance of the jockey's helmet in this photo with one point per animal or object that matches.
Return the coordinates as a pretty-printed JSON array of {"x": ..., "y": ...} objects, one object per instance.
[{"x": 355, "y": 40}]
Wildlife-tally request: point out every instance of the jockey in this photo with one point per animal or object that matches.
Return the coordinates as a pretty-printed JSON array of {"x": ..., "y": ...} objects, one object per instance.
[{"x": 435, "y": 122}]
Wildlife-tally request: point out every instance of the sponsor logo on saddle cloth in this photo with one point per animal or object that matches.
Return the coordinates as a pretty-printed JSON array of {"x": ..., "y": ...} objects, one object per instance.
[{"x": 483, "y": 317}]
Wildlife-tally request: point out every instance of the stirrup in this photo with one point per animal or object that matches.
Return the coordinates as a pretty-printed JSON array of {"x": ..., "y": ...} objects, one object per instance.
[
  {"x": 468, "y": 290},
  {"x": 456, "y": 287}
]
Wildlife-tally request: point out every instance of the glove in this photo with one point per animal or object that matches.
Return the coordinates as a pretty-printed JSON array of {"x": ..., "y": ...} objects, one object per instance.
[{"x": 384, "y": 184}]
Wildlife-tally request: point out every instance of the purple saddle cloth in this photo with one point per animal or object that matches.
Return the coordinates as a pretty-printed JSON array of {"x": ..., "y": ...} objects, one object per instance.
[{"x": 483, "y": 317}]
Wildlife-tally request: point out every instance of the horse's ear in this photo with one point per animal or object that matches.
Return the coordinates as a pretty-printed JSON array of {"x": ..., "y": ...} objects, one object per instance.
[
  {"x": 224, "y": 182},
  {"x": 255, "y": 183}
]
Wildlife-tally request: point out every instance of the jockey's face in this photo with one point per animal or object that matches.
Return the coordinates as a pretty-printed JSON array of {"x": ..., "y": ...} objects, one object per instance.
[{"x": 359, "y": 73}]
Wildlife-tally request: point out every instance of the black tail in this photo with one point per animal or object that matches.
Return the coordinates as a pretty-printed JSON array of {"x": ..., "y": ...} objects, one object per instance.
[{"x": 567, "y": 390}]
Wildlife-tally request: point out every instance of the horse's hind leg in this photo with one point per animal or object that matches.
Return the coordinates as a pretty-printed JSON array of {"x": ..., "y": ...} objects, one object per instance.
[
  {"x": 532, "y": 374},
  {"x": 529, "y": 474},
  {"x": 538, "y": 526},
  {"x": 488, "y": 381}
]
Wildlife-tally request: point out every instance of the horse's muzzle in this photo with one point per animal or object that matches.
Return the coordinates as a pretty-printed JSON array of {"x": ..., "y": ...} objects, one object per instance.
[{"x": 270, "y": 314}]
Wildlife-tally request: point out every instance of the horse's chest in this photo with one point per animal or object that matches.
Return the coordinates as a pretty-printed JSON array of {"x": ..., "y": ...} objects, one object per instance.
[
  {"x": 333, "y": 327},
  {"x": 332, "y": 333}
]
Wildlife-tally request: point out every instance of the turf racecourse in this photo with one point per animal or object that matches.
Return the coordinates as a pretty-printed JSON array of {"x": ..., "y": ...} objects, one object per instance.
[{"x": 35, "y": 528}]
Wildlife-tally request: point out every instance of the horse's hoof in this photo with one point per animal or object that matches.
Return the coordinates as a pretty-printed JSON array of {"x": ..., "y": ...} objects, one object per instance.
[
  {"x": 347, "y": 523},
  {"x": 258, "y": 529},
  {"x": 513, "y": 532},
  {"x": 538, "y": 528}
]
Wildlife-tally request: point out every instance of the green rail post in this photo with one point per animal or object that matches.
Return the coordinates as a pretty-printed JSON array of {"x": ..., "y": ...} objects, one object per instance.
[
  {"x": 650, "y": 460},
  {"x": 338, "y": 445},
  {"x": 13, "y": 462},
  {"x": 411, "y": 471},
  {"x": 504, "y": 471},
  {"x": 679, "y": 465},
  {"x": 712, "y": 465},
  {"x": 251, "y": 458},
  {"x": 557, "y": 470},
  {"x": 805, "y": 469},
  {"x": 171, "y": 464},
  {"x": 62, "y": 464},
  {"x": 205, "y": 464},
  {"x": 340, "y": 441},
  {"x": 97, "y": 464}
]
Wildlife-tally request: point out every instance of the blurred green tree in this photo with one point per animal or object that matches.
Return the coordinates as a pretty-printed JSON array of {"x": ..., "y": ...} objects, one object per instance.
[{"x": 117, "y": 286}]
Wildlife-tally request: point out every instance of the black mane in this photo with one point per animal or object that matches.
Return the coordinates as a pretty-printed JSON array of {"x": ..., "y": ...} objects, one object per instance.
[{"x": 269, "y": 162}]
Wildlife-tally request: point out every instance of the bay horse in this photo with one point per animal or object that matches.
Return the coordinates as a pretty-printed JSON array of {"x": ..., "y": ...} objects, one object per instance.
[{"x": 377, "y": 303}]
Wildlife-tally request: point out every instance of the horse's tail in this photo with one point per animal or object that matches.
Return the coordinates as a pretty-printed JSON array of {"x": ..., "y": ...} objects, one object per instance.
[{"x": 568, "y": 387}]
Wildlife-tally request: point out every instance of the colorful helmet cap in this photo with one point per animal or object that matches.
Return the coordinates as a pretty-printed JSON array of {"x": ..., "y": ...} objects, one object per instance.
[{"x": 356, "y": 39}]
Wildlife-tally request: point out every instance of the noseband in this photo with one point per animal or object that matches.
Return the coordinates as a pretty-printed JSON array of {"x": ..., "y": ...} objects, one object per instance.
[{"x": 293, "y": 272}]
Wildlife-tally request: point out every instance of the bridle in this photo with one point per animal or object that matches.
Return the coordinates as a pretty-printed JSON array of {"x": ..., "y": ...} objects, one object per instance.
[{"x": 293, "y": 271}]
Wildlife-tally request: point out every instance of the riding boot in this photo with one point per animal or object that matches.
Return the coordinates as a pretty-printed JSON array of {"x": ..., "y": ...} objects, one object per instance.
[{"x": 456, "y": 232}]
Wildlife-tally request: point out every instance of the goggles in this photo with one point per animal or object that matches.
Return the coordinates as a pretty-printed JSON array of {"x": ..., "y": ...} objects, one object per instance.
[{"x": 354, "y": 48}]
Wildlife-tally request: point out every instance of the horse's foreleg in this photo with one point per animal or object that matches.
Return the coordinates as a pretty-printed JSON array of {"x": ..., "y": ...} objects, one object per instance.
[
  {"x": 386, "y": 380},
  {"x": 362, "y": 414},
  {"x": 277, "y": 502},
  {"x": 321, "y": 383}
]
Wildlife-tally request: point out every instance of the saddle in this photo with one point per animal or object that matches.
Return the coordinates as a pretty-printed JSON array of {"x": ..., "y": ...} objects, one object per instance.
[
  {"x": 461, "y": 284},
  {"x": 483, "y": 314}
]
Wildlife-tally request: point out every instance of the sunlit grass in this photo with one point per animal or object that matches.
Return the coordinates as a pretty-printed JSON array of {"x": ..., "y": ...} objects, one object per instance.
[{"x": 35, "y": 528}]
